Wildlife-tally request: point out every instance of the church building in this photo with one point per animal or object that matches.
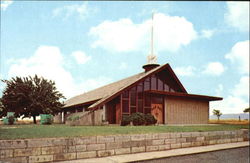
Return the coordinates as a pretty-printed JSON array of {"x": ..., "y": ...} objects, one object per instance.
[{"x": 156, "y": 90}]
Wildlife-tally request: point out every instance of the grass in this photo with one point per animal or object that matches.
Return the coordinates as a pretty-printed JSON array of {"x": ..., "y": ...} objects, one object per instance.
[{"x": 59, "y": 130}]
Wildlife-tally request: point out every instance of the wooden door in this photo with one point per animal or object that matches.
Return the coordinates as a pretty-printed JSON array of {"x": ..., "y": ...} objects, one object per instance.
[{"x": 157, "y": 112}]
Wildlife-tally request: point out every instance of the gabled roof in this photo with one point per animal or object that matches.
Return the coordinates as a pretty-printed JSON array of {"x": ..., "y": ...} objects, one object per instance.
[{"x": 101, "y": 95}]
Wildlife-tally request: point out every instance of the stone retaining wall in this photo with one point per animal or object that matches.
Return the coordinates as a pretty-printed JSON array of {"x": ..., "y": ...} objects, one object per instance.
[{"x": 58, "y": 149}]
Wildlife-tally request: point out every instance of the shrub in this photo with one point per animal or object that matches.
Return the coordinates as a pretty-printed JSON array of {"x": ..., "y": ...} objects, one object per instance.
[
  {"x": 125, "y": 120},
  {"x": 11, "y": 120},
  {"x": 150, "y": 119},
  {"x": 138, "y": 119},
  {"x": 48, "y": 121}
]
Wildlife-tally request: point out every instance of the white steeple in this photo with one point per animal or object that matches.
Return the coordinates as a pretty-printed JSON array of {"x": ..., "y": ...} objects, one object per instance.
[{"x": 152, "y": 59}]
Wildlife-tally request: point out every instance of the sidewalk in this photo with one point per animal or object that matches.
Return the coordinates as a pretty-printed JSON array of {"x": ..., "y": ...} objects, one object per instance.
[{"x": 159, "y": 154}]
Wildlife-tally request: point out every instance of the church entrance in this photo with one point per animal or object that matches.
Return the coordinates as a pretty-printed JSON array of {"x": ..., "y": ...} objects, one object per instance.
[{"x": 157, "y": 112}]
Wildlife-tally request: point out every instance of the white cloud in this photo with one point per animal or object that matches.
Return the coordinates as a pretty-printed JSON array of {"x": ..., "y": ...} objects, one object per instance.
[
  {"x": 242, "y": 88},
  {"x": 218, "y": 90},
  {"x": 214, "y": 68},
  {"x": 207, "y": 33},
  {"x": 123, "y": 35},
  {"x": 185, "y": 71},
  {"x": 239, "y": 55},
  {"x": 237, "y": 100},
  {"x": 81, "y": 10},
  {"x": 123, "y": 65},
  {"x": 238, "y": 15},
  {"x": 5, "y": 4},
  {"x": 80, "y": 57},
  {"x": 48, "y": 62}
]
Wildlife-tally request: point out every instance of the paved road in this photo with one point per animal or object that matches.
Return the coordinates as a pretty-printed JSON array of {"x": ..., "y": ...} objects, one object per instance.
[{"x": 236, "y": 155}]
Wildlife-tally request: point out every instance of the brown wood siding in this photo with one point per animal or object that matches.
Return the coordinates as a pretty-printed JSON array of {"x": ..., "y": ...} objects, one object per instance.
[{"x": 186, "y": 111}]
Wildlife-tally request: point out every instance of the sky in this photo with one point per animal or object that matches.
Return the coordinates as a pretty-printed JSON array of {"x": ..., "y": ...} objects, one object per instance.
[{"x": 85, "y": 45}]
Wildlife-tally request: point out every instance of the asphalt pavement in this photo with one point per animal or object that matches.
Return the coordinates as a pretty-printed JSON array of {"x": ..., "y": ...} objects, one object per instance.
[{"x": 235, "y": 155}]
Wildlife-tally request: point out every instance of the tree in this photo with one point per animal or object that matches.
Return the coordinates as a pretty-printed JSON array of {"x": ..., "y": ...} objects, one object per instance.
[
  {"x": 247, "y": 110},
  {"x": 217, "y": 113},
  {"x": 30, "y": 97}
]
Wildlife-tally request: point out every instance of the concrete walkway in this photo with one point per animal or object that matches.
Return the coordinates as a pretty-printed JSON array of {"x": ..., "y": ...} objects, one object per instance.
[{"x": 160, "y": 154}]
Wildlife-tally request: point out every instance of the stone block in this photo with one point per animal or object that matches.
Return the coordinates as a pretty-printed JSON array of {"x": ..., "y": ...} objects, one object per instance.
[
  {"x": 180, "y": 140},
  {"x": 211, "y": 142},
  {"x": 151, "y": 136},
  {"x": 221, "y": 132},
  {"x": 185, "y": 145},
  {"x": 196, "y": 144},
  {"x": 152, "y": 148},
  {"x": 64, "y": 156},
  {"x": 95, "y": 147},
  {"x": 14, "y": 160},
  {"x": 122, "y": 151},
  {"x": 122, "y": 138},
  {"x": 113, "y": 145},
  {"x": 6, "y": 153},
  {"x": 176, "y": 145},
  {"x": 47, "y": 142},
  {"x": 138, "y": 137},
  {"x": 195, "y": 134},
  {"x": 53, "y": 150},
  {"x": 85, "y": 140},
  {"x": 164, "y": 135},
  {"x": 158, "y": 142},
  {"x": 13, "y": 144},
  {"x": 190, "y": 139},
  {"x": 81, "y": 148},
  {"x": 105, "y": 139},
  {"x": 170, "y": 141},
  {"x": 90, "y": 154},
  {"x": 164, "y": 147},
  {"x": 105, "y": 153},
  {"x": 138, "y": 149},
  {"x": 233, "y": 140},
  {"x": 27, "y": 152},
  {"x": 185, "y": 134},
  {"x": 204, "y": 133},
  {"x": 175, "y": 135},
  {"x": 134, "y": 144},
  {"x": 71, "y": 149},
  {"x": 42, "y": 158},
  {"x": 240, "y": 139},
  {"x": 200, "y": 138}
]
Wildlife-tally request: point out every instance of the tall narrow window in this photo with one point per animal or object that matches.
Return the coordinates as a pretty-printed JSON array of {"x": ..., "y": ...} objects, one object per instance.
[
  {"x": 153, "y": 83},
  {"x": 160, "y": 85},
  {"x": 140, "y": 106},
  {"x": 133, "y": 96},
  {"x": 147, "y": 84},
  {"x": 125, "y": 106},
  {"x": 166, "y": 87}
]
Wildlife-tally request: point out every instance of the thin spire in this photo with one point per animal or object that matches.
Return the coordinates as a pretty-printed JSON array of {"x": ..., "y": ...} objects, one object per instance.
[{"x": 152, "y": 59}]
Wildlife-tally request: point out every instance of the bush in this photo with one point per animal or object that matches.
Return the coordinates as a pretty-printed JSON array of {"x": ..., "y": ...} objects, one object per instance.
[
  {"x": 11, "y": 120},
  {"x": 138, "y": 119},
  {"x": 150, "y": 119},
  {"x": 125, "y": 120},
  {"x": 48, "y": 121}
]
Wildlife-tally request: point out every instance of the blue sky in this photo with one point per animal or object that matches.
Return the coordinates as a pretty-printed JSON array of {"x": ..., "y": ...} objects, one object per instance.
[{"x": 84, "y": 45}]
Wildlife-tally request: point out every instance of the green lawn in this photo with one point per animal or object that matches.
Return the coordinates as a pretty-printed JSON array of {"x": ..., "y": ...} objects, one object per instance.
[{"x": 41, "y": 131}]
